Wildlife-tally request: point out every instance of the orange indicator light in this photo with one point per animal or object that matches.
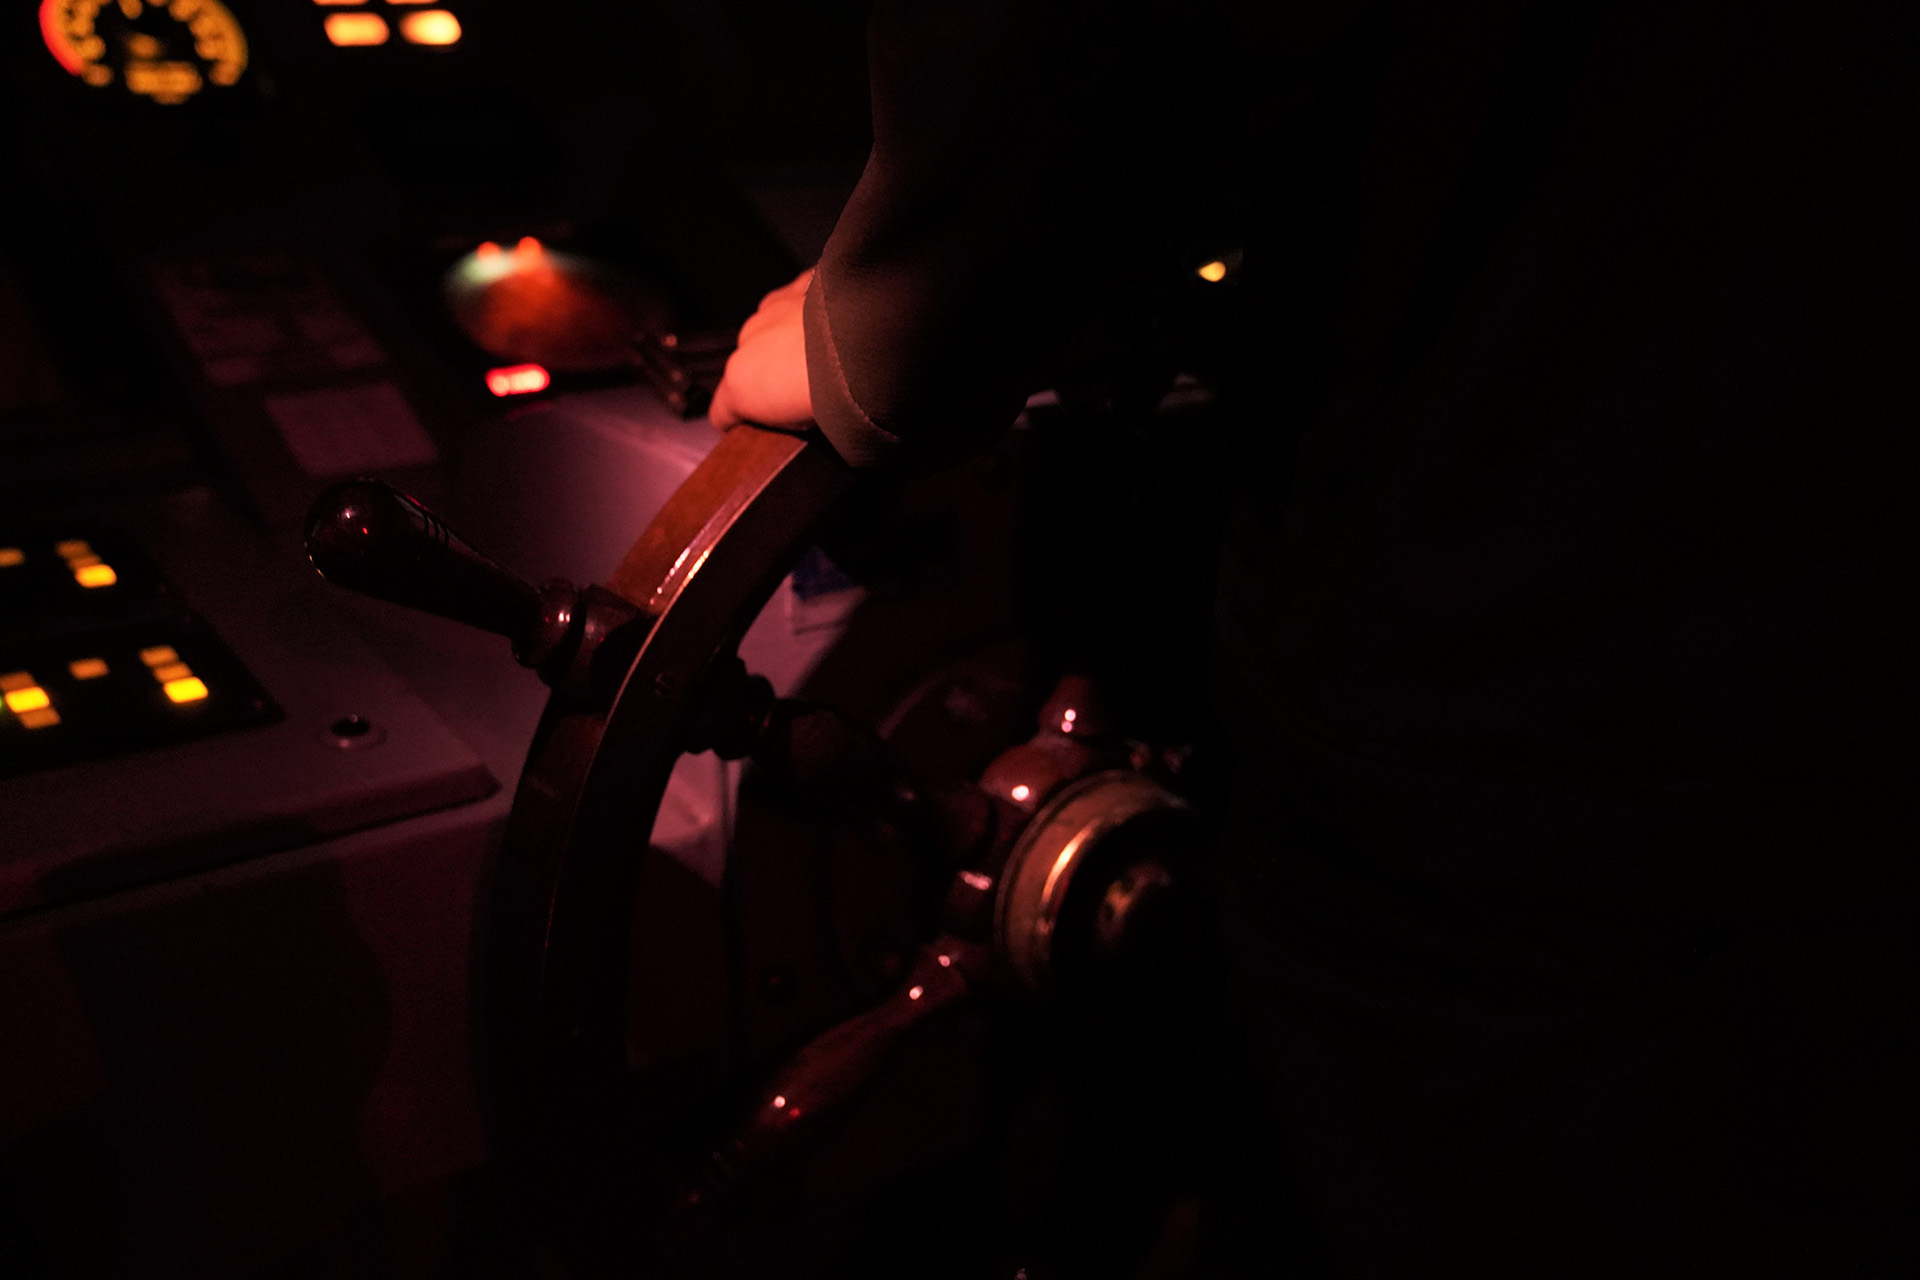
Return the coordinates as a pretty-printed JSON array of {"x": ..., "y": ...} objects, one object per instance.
[
  {"x": 518, "y": 380},
  {"x": 172, "y": 671},
  {"x": 337, "y": 2},
  {"x": 14, "y": 681},
  {"x": 73, "y": 548},
  {"x": 1213, "y": 272},
  {"x": 87, "y": 668},
  {"x": 41, "y": 718},
  {"x": 31, "y": 698},
  {"x": 164, "y": 82},
  {"x": 430, "y": 26},
  {"x": 186, "y": 689},
  {"x": 487, "y": 249},
  {"x": 356, "y": 29},
  {"x": 11, "y": 556},
  {"x": 95, "y": 575},
  {"x": 159, "y": 655}
]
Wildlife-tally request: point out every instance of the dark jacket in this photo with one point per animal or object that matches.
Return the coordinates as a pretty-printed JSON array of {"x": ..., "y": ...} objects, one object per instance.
[{"x": 1564, "y": 623}]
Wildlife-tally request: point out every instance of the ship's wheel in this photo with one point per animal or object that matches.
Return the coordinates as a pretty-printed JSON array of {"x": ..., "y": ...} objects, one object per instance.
[{"x": 651, "y": 1126}]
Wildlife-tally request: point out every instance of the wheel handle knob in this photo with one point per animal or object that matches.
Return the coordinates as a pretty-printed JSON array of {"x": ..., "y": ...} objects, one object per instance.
[{"x": 374, "y": 539}]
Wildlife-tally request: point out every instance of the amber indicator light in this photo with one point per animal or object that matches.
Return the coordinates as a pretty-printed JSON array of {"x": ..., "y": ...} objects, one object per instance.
[
  {"x": 87, "y": 568},
  {"x": 27, "y": 700},
  {"x": 175, "y": 677},
  {"x": 430, "y": 26},
  {"x": 350, "y": 30},
  {"x": 185, "y": 689}
]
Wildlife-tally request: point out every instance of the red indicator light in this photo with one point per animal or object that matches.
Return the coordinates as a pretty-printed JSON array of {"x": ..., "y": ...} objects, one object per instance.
[
  {"x": 52, "y": 31},
  {"x": 517, "y": 380}
]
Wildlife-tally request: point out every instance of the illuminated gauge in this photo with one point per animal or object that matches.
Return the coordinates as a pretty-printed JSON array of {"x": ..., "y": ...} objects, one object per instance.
[{"x": 164, "y": 50}]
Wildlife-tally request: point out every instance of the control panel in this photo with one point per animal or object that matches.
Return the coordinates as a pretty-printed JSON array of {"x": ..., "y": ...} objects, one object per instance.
[{"x": 99, "y": 656}]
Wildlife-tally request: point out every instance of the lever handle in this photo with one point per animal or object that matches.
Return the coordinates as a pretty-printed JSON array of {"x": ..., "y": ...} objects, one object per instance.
[{"x": 374, "y": 539}]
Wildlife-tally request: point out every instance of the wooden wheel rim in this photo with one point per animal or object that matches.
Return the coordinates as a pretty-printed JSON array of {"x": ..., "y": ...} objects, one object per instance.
[{"x": 558, "y": 915}]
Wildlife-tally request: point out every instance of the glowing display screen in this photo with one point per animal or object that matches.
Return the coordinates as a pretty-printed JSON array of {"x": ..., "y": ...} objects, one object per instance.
[{"x": 165, "y": 51}]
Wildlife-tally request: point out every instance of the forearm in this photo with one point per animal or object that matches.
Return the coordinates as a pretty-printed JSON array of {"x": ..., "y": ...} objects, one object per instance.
[{"x": 932, "y": 301}]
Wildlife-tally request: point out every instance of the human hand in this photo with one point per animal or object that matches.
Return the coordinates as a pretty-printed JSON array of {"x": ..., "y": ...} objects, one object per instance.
[{"x": 766, "y": 376}]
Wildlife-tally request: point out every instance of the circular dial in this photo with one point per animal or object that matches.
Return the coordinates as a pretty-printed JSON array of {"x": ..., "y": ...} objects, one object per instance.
[{"x": 163, "y": 50}]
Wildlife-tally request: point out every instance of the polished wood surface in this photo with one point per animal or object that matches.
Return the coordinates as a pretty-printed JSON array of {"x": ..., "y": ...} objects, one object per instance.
[{"x": 560, "y": 914}]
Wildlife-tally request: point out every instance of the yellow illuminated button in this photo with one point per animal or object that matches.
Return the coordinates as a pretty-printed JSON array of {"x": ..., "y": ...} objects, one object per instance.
[
  {"x": 11, "y": 556},
  {"x": 159, "y": 655},
  {"x": 73, "y": 547},
  {"x": 87, "y": 668},
  {"x": 14, "y": 681},
  {"x": 356, "y": 28},
  {"x": 186, "y": 689},
  {"x": 41, "y": 718},
  {"x": 172, "y": 671},
  {"x": 95, "y": 575},
  {"x": 430, "y": 26},
  {"x": 31, "y": 698},
  {"x": 1213, "y": 272}
]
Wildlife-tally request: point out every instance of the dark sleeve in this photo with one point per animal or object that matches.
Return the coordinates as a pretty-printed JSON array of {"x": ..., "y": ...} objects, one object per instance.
[
  {"x": 925, "y": 314},
  {"x": 1016, "y": 145}
]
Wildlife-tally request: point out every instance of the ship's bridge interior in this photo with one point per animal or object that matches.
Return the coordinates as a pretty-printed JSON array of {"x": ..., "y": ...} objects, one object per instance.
[{"x": 646, "y": 851}]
